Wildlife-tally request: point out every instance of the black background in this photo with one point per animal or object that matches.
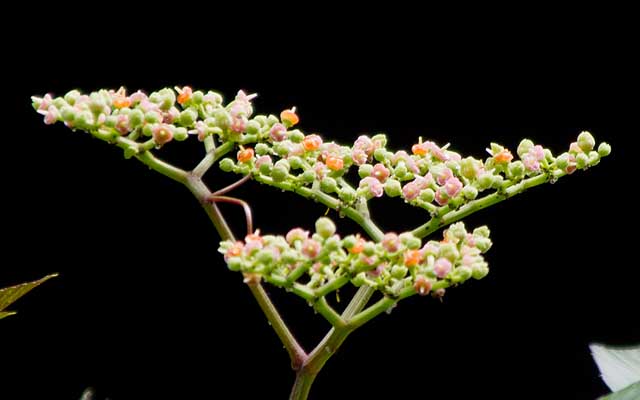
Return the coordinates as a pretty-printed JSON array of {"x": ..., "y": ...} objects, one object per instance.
[{"x": 144, "y": 306}]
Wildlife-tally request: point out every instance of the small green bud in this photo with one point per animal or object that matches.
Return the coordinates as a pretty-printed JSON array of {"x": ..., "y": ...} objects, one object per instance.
[
  {"x": 281, "y": 149},
  {"x": 524, "y": 147},
  {"x": 399, "y": 271},
  {"x": 59, "y": 102},
  {"x": 197, "y": 97},
  {"x": 380, "y": 138},
  {"x": 586, "y": 142},
  {"x": 359, "y": 279},
  {"x": 457, "y": 230},
  {"x": 365, "y": 170},
  {"x": 427, "y": 195},
  {"x": 328, "y": 184},
  {"x": 485, "y": 180},
  {"x": 369, "y": 249},
  {"x": 516, "y": 169},
  {"x": 180, "y": 133},
  {"x": 496, "y": 148},
  {"x": 272, "y": 119},
  {"x": 461, "y": 274},
  {"x": 325, "y": 227},
  {"x": 147, "y": 129},
  {"x": 479, "y": 270},
  {"x": 265, "y": 256},
  {"x": 332, "y": 243},
  {"x": 71, "y": 97},
  {"x": 548, "y": 155},
  {"x": 289, "y": 256},
  {"x": 253, "y": 127},
  {"x": 235, "y": 263},
  {"x": 188, "y": 117},
  {"x": 562, "y": 161},
  {"x": 295, "y": 162},
  {"x": 67, "y": 113},
  {"x": 167, "y": 99},
  {"x": 349, "y": 241},
  {"x": 279, "y": 173},
  {"x": 296, "y": 136},
  {"x": 407, "y": 238},
  {"x": 594, "y": 158},
  {"x": 604, "y": 149},
  {"x": 380, "y": 154},
  {"x": 582, "y": 161},
  {"x": 413, "y": 243},
  {"x": 482, "y": 231},
  {"x": 392, "y": 187},
  {"x": 400, "y": 170},
  {"x": 136, "y": 117},
  {"x": 308, "y": 176},
  {"x": 153, "y": 117},
  {"x": 261, "y": 149},
  {"x": 470, "y": 192},
  {"x": 227, "y": 164},
  {"x": 449, "y": 251},
  {"x": 498, "y": 180},
  {"x": 482, "y": 243},
  {"x": 347, "y": 194}
]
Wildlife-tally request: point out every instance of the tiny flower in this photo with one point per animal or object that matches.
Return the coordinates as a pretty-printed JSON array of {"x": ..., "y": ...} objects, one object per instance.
[
  {"x": 311, "y": 248},
  {"x": 162, "y": 134},
  {"x": 122, "y": 124},
  {"x": 334, "y": 163},
  {"x": 537, "y": 152},
  {"x": 278, "y": 132},
  {"x": 531, "y": 163},
  {"x": 380, "y": 172},
  {"x": 412, "y": 258},
  {"x": 374, "y": 186},
  {"x": 441, "y": 197},
  {"x": 311, "y": 142},
  {"x": 453, "y": 186},
  {"x": 422, "y": 285},
  {"x": 235, "y": 250},
  {"x": 120, "y": 99},
  {"x": 420, "y": 149},
  {"x": 441, "y": 174},
  {"x": 359, "y": 156},
  {"x": 503, "y": 157},
  {"x": 289, "y": 117},
  {"x": 365, "y": 144},
  {"x": 436, "y": 151},
  {"x": 410, "y": 191},
  {"x": 264, "y": 164},
  {"x": 357, "y": 247},
  {"x": 184, "y": 94},
  {"x": 424, "y": 182},
  {"x": 391, "y": 242},
  {"x": 442, "y": 267},
  {"x": 245, "y": 155},
  {"x": 296, "y": 234},
  {"x": 51, "y": 115}
]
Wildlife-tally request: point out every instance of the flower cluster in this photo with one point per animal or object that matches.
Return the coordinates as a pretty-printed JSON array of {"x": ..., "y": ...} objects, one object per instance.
[{"x": 397, "y": 264}]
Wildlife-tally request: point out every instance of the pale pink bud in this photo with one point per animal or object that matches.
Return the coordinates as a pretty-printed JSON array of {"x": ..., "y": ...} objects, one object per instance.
[
  {"x": 531, "y": 163},
  {"x": 296, "y": 234},
  {"x": 311, "y": 248},
  {"x": 391, "y": 242},
  {"x": 437, "y": 151},
  {"x": 359, "y": 156},
  {"x": 365, "y": 144},
  {"x": 278, "y": 132},
  {"x": 380, "y": 172},
  {"x": 442, "y": 175},
  {"x": 442, "y": 267},
  {"x": 410, "y": 191},
  {"x": 441, "y": 197},
  {"x": 453, "y": 186},
  {"x": 376, "y": 189}
]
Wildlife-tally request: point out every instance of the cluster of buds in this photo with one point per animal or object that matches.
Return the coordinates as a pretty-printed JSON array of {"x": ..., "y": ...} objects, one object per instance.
[{"x": 397, "y": 264}]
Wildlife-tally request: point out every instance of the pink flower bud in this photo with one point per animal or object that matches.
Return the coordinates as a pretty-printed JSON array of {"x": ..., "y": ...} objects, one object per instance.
[
  {"x": 436, "y": 151},
  {"x": 365, "y": 144},
  {"x": 162, "y": 134},
  {"x": 442, "y": 267},
  {"x": 296, "y": 234},
  {"x": 359, "y": 157},
  {"x": 442, "y": 174},
  {"x": 391, "y": 242},
  {"x": 453, "y": 186},
  {"x": 441, "y": 197},
  {"x": 537, "y": 151},
  {"x": 424, "y": 182},
  {"x": 278, "y": 132},
  {"x": 410, "y": 191},
  {"x": 380, "y": 172},
  {"x": 51, "y": 115},
  {"x": 375, "y": 187},
  {"x": 422, "y": 285},
  {"x": 311, "y": 248},
  {"x": 531, "y": 163}
]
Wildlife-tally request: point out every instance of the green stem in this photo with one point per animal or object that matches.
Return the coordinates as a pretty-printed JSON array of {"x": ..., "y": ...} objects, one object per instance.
[{"x": 436, "y": 223}]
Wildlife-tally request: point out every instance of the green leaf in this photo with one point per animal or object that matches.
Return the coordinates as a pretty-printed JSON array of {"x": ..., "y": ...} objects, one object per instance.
[
  {"x": 12, "y": 293},
  {"x": 619, "y": 366},
  {"x": 631, "y": 392}
]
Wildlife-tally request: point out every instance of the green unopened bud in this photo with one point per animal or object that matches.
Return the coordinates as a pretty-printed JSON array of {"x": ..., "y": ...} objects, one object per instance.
[
  {"x": 197, "y": 97},
  {"x": 380, "y": 139},
  {"x": 180, "y": 133},
  {"x": 380, "y": 154},
  {"x": 461, "y": 274},
  {"x": 449, "y": 251},
  {"x": 253, "y": 127},
  {"x": 147, "y": 129},
  {"x": 582, "y": 161},
  {"x": 71, "y": 97},
  {"x": 152, "y": 117},
  {"x": 347, "y": 194},
  {"x": 586, "y": 142},
  {"x": 365, "y": 170},
  {"x": 392, "y": 188},
  {"x": 265, "y": 256},
  {"x": 369, "y": 249},
  {"x": 482, "y": 231},
  {"x": 136, "y": 118},
  {"x": 296, "y": 136},
  {"x": 482, "y": 243},
  {"x": 167, "y": 99},
  {"x": 412, "y": 242},
  {"x": 562, "y": 161},
  {"x": 279, "y": 173},
  {"x": 496, "y": 148},
  {"x": 235, "y": 263},
  {"x": 594, "y": 158},
  {"x": 281, "y": 148},
  {"x": 289, "y": 256},
  {"x": 524, "y": 147},
  {"x": 479, "y": 270},
  {"x": 332, "y": 243},
  {"x": 498, "y": 180},
  {"x": 427, "y": 195},
  {"x": 325, "y": 227},
  {"x": 470, "y": 192},
  {"x": 227, "y": 164},
  {"x": 295, "y": 162},
  {"x": 261, "y": 149},
  {"x": 400, "y": 170},
  {"x": 67, "y": 113},
  {"x": 188, "y": 117},
  {"x": 457, "y": 230},
  {"x": 359, "y": 279},
  {"x": 96, "y": 103},
  {"x": 548, "y": 155},
  {"x": 485, "y": 180},
  {"x": 308, "y": 176},
  {"x": 399, "y": 271},
  {"x": 516, "y": 169},
  {"x": 349, "y": 241},
  {"x": 328, "y": 184},
  {"x": 604, "y": 149}
]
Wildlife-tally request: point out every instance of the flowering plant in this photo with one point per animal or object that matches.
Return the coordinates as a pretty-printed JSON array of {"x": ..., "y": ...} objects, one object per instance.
[{"x": 272, "y": 151}]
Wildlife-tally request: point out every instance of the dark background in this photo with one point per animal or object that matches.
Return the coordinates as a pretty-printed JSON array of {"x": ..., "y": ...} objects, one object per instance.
[{"x": 144, "y": 306}]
